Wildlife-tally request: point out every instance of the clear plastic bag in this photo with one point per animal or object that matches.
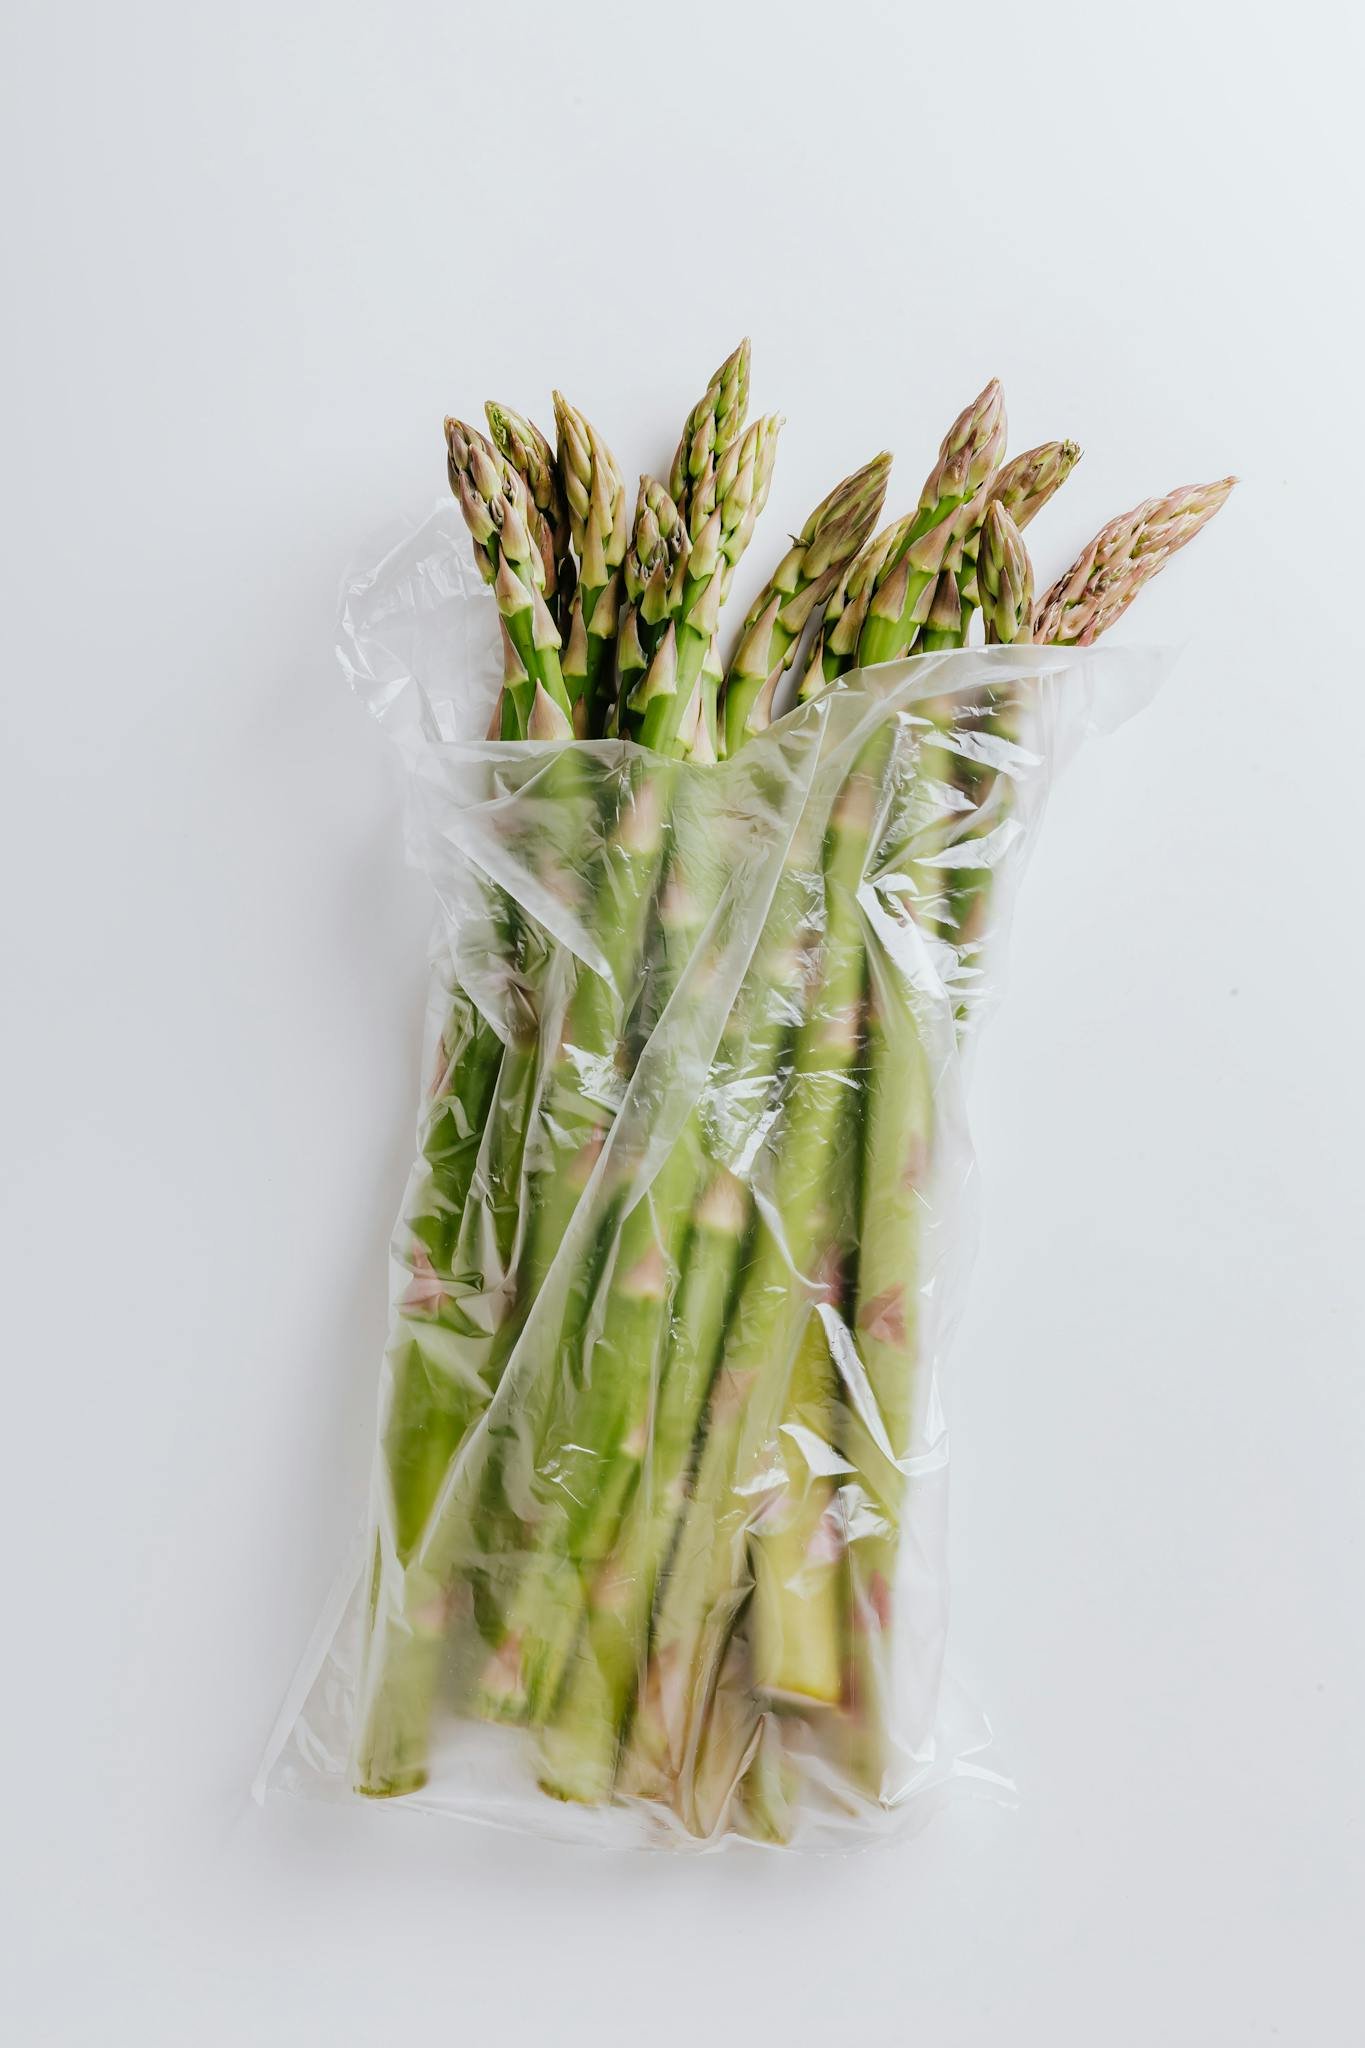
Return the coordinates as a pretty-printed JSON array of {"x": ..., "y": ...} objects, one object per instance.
[{"x": 656, "y": 1541}]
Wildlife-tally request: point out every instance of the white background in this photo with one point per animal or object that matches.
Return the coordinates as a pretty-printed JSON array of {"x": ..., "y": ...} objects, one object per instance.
[{"x": 254, "y": 252}]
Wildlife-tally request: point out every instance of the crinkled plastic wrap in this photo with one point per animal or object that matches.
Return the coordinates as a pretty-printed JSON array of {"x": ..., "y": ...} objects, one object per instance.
[{"x": 656, "y": 1542}]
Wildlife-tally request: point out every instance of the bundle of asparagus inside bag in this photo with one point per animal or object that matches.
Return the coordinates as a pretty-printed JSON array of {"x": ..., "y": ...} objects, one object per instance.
[{"x": 656, "y": 1407}]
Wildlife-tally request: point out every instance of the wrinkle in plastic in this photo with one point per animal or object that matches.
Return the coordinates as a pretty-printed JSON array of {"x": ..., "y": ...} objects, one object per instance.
[{"x": 655, "y": 1550}]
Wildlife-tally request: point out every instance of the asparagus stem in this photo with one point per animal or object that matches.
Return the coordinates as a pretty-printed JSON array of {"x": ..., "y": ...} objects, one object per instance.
[
  {"x": 672, "y": 707},
  {"x": 581, "y": 1743},
  {"x": 835, "y": 647},
  {"x": 899, "y": 1129},
  {"x": 522, "y": 444},
  {"x": 805, "y": 577},
  {"x": 544, "y": 1620},
  {"x": 709, "y": 432},
  {"x": 948, "y": 508},
  {"x": 500, "y": 518},
  {"x": 596, "y": 501},
  {"x": 795, "y": 1241},
  {"x": 797, "y": 1548},
  {"x": 734, "y": 486},
  {"x": 655, "y": 563},
  {"x": 1022, "y": 487}
]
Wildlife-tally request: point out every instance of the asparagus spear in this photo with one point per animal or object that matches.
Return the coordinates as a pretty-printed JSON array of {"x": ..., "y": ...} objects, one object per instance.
[
  {"x": 835, "y": 646},
  {"x": 1022, "y": 486},
  {"x": 596, "y": 504},
  {"x": 951, "y": 498},
  {"x": 613, "y": 1426},
  {"x": 879, "y": 611},
  {"x": 655, "y": 562},
  {"x": 520, "y": 442},
  {"x": 899, "y": 1127},
  {"x": 593, "y": 1447},
  {"x": 673, "y": 704},
  {"x": 709, "y": 432},
  {"x": 430, "y": 1404},
  {"x": 596, "y": 500},
  {"x": 607, "y": 1428},
  {"x": 581, "y": 1744},
  {"x": 794, "y": 1270},
  {"x": 432, "y": 1410},
  {"x": 1083, "y": 603},
  {"x": 814, "y": 564},
  {"x": 878, "y": 1431},
  {"x": 948, "y": 508},
  {"x": 1108, "y": 574},
  {"x": 498, "y": 514}
]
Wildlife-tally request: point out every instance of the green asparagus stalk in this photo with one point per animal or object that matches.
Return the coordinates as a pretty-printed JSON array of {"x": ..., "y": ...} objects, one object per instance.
[
  {"x": 499, "y": 516},
  {"x": 581, "y": 1745},
  {"x": 431, "y": 1424},
  {"x": 430, "y": 1405},
  {"x": 735, "y": 482},
  {"x": 899, "y": 1127},
  {"x": 1083, "y": 603},
  {"x": 818, "y": 559},
  {"x": 673, "y": 706},
  {"x": 796, "y": 1638},
  {"x": 878, "y": 1430},
  {"x": 673, "y": 592},
  {"x": 1022, "y": 487},
  {"x": 596, "y": 499},
  {"x": 425, "y": 1410},
  {"x": 948, "y": 508},
  {"x": 614, "y": 1424},
  {"x": 593, "y": 1449},
  {"x": 655, "y": 563},
  {"x": 522, "y": 444},
  {"x": 880, "y": 609},
  {"x": 794, "y": 1627},
  {"x": 794, "y": 1271},
  {"x": 435, "y": 1393},
  {"x": 710, "y": 430},
  {"x": 834, "y": 649}
]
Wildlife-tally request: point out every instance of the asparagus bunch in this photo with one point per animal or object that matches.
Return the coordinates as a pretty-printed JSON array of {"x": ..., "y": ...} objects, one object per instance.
[
  {"x": 656, "y": 1392},
  {"x": 598, "y": 1452},
  {"x": 580, "y": 1107},
  {"x": 769, "y": 1327}
]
